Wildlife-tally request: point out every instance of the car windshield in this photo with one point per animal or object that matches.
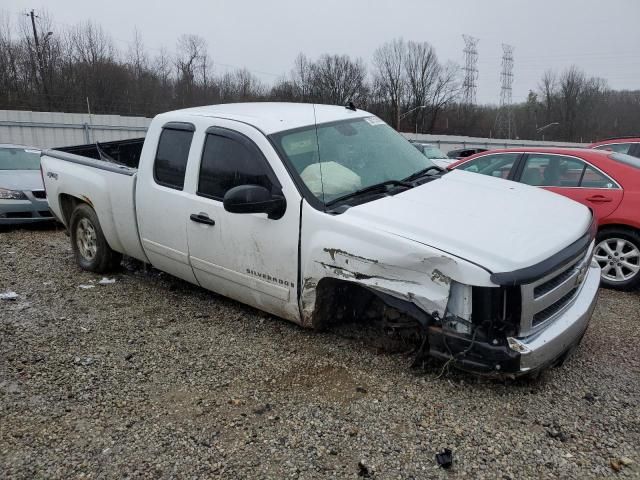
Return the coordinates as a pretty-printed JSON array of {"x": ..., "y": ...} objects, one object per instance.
[
  {"x": 340, "y": 158},
  {"x": 19, "y": 159},
  {"x": 431, "y": 152}
]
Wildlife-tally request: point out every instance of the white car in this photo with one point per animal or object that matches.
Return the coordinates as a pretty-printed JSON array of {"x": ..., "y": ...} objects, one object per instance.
[{"x": 318, "y": 214}]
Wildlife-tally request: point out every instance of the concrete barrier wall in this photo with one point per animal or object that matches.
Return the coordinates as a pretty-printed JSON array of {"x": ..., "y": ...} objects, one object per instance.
[{"x": 56, "y": 129}]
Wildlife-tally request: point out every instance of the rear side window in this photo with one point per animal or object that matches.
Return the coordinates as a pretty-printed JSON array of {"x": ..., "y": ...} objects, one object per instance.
[
  {"x": 228, "y": 163},
  {"x": 552, "y": 171},
  {"x": 592, "y": 178},
  {"x": 171, "y": 157}
]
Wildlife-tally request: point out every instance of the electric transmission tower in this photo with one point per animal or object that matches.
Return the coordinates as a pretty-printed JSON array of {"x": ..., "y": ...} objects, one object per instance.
[
  {"x": 469, "y": 84},
  {"x": 504, "y": 126}
]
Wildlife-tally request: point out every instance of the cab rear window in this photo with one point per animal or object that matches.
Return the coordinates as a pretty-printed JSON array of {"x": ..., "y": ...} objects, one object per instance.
[{"x": 626, "y": 159}]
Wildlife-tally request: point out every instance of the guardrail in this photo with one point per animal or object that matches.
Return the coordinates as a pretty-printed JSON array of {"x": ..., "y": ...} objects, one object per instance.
[{"x": 456, "y": 141}]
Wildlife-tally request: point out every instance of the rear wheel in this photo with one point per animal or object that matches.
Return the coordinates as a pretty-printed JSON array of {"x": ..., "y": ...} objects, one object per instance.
[
  {"x": 89, "y": 245},
  {"x": 618, "y": 254}
]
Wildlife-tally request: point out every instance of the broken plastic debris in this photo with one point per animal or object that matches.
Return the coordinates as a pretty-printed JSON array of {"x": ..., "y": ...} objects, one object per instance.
[
  {"x": 8, "y": 295},
  {"x": 107, "y": 281},
  {"x": 445, "y": 459},
  {"x": 86, "y": 286},
  {"x": 363, "y": 470}
]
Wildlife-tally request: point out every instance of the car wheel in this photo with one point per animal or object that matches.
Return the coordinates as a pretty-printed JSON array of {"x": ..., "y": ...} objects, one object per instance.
[
  {"x": 90, "y": 248},
  {"x": 617, "y": 252}
]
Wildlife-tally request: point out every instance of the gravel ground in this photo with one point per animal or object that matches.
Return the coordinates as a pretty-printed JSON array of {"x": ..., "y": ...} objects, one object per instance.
[{"x": 153, "y": 377}]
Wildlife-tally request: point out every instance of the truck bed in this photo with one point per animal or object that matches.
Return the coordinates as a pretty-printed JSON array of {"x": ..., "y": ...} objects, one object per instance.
[
  {"x": 107, "y": 186},
  {"x": 121, "y": 152}
]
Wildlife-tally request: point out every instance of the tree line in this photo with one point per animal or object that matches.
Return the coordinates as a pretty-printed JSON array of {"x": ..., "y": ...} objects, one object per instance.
[{"x": 406, "y": 84}]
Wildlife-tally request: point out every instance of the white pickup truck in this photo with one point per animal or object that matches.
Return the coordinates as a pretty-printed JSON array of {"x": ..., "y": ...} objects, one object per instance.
[{"x": 322, "y": 214}]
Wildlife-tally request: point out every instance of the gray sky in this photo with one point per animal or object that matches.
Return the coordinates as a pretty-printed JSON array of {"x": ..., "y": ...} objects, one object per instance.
[{"x": 600, "y": 36}]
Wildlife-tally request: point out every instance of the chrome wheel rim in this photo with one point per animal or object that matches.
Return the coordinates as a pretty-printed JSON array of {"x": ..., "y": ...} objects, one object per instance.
[
  {"x": 618, "y": 258},
  {"x": 86, "y": 239}
]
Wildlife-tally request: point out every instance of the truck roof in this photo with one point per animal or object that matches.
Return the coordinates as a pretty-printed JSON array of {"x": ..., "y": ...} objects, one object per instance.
[{"x": 270, "y": 117}]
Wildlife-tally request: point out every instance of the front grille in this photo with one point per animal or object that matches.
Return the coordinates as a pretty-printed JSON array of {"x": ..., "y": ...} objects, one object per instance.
[
  {"x": 39, "y": 194},
  {"x": 549, "y": 285},
  {"x": 554, "y": 308},
  {"x": 544, "y": 299}
]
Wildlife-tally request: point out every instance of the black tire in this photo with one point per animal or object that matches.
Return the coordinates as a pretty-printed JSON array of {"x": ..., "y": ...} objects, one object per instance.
[
  {"x": 92, "y": 252},
  {"x": 633, "y": 238}
]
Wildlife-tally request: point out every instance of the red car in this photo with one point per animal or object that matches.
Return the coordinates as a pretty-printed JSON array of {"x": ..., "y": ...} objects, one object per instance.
[
  {"x": 628, "y": 145},
  {"x": 607, "y": 182}
]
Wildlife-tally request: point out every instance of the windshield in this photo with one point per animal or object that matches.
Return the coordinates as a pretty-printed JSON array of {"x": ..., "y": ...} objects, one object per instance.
[
  {"x": 19, "y": 159},
  {"x": 339, "y": 158},
  {"x": 431, "y": 151}
]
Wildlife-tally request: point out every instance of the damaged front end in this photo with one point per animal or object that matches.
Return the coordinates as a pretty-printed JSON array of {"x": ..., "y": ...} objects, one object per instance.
[
  {"x": 473, "y": 334},
  {"x": 475, "y": 329},
  {"x": 501, "y": 325}
]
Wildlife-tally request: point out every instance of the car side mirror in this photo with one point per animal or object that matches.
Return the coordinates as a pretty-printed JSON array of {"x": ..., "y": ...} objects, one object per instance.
[{"x": 254, "y": 199}]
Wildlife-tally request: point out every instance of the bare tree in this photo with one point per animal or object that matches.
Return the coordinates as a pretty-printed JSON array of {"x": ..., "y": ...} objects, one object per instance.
[
  {"x": 336, "y": 79},
  {"x": 548, "y": 90},
  {"x": 301, "y": 78},
  {"x": 422, "y": 73},
  {"x": 137, "y": 57},
  {"x": 389, "y": 76},
  {"x": 190, "y": 63},
  {"x": 446, "y": 90},
  {"x": 240, "y": 86}
]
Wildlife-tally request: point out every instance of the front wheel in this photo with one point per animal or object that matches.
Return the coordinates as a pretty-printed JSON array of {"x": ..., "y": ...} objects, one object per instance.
[
  {"x": 618, "y": 254},
  {"x": 89, "y": 245}
]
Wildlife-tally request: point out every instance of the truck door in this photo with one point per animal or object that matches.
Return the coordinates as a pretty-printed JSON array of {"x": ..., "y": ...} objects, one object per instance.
[
  {"x": 161, "y": 201},
  {"x": 249, "y": 257}
]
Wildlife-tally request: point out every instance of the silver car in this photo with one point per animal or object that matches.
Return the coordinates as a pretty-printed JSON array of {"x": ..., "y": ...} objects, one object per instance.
[{"x": 22, "y": 196}]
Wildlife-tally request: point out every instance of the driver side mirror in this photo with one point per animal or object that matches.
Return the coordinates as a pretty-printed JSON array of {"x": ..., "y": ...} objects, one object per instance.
[{"x": 254, "y": 199}]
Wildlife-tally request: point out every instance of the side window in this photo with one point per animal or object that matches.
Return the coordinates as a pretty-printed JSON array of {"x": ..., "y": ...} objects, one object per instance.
[
  {"x": 171, "y": 157},
  {"x": 498, "y": 165},
  {"x": 616, "y": 147},
  {"x": 592, "y": 178},
  {"x": 552, "y": 171},
  {"x": 228, "y": 163}
]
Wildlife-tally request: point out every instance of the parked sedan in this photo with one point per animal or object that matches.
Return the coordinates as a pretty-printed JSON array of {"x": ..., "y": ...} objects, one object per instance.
[
  {"x": 605, "y": 181},
  {"x": 459, "y": 153},
  {"x": 628, "y": 145},
  {"x": 22, "y": 196}
]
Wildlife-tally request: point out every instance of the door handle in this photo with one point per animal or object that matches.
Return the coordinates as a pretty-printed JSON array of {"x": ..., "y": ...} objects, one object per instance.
[
  {"x": 202, "y": 218},
  {"x": 598, "y": 199}
]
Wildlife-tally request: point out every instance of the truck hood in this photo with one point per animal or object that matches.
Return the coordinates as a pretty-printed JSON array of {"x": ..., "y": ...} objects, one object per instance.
[
  {"x": 498, "y": 224},
  {"x": 21, "y": 180}
]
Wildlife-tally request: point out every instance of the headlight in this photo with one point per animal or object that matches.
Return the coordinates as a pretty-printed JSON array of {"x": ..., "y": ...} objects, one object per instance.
[{"x": 11, "y": 195}]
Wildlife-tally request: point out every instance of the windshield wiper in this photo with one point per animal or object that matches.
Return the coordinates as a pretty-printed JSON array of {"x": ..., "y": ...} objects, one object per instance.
[
  {"x": 423, "y": 172},
  {"x": 382, "y": 186}
]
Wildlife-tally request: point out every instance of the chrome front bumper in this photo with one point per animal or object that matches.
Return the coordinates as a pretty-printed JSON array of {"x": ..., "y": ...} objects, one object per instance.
[{"x": 563, "y": 333}]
